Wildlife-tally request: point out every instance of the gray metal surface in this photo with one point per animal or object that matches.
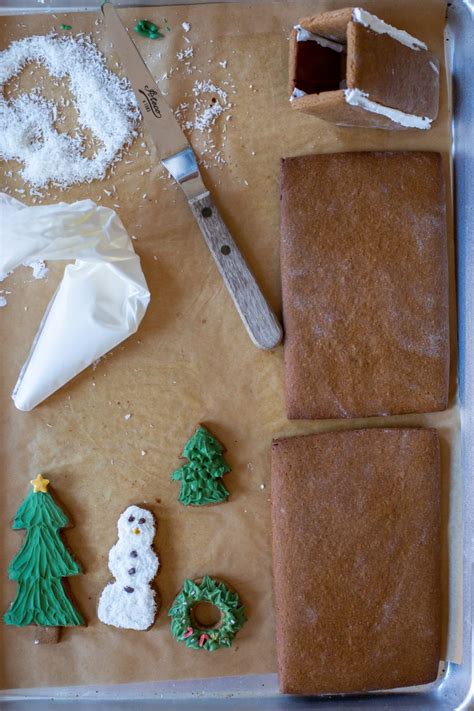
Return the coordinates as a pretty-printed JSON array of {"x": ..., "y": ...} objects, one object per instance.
[{"x": 456, "y": 688}]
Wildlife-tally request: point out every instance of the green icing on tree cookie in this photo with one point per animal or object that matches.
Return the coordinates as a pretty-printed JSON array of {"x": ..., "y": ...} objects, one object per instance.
[
  {"x": 201, "y": 477},
  {"x": 41, "y": 563},
  {"x": 183, "y": 625}
]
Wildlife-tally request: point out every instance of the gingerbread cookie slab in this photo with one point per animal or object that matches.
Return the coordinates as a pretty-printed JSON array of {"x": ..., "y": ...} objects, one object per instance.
[
  {"x": 365, "y": 284},
  {"x": 356, "y": 558},
  {"x": 351, "y": 68}
]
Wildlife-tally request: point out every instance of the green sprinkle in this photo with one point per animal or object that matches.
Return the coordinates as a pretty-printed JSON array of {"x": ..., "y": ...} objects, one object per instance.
[
  {"x": 145, "y": 28},
  {"x": 66, "y": 27}
]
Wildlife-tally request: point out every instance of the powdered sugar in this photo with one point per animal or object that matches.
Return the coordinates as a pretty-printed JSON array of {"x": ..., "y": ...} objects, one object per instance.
[{"x": 105, "y": 106}]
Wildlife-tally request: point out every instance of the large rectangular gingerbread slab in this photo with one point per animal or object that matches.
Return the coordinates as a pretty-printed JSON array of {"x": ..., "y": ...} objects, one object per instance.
[
  {"x": 356, "y": 545},
  {"x": 365, "y": 284}
]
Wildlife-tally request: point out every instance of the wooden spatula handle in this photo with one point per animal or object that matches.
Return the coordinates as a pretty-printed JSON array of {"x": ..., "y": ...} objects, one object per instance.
[{"x": 257, "y": 316}]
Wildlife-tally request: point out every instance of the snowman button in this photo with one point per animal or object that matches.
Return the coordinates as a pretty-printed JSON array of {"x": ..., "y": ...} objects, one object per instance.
[
  {"x": 132, "y": 571},
  {"x": 128, "y": 589},
  {"x": 134, "y": 554}
]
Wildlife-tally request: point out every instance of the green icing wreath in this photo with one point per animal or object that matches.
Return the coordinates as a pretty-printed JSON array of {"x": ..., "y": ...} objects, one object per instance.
[{"x": 183, "y": 625}]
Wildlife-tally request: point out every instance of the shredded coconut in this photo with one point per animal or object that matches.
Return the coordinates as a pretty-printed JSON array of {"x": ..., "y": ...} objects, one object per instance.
[
  {"x": 105, "y": 105},
  {"x": 184, "y": 54},
  {"x": 200, "y": 109},
  {"x": 205, "y": 113}
]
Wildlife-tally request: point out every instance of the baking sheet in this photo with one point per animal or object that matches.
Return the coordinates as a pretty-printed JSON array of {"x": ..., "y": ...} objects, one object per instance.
[{"x": 190, "y": 362}]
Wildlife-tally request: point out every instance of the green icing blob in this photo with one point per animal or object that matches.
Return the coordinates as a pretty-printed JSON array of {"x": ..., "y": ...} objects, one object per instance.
[
  {"x": 145, "y": 28},
  {"x": 201, "y": 482},
  {"x": 39, "y": 566},
  {"x": 183, "y": 626}
]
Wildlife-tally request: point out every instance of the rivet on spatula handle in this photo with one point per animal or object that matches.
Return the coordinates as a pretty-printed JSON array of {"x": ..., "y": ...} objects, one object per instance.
[{"x": 257, "y": 316}]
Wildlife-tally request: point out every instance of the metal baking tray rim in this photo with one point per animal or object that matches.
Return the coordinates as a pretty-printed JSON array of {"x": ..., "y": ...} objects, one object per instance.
[{"x": 455, "y": 688}]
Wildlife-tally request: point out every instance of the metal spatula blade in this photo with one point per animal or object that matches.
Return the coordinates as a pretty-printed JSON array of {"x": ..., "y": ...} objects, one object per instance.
[{"x": 177, "y": 156}]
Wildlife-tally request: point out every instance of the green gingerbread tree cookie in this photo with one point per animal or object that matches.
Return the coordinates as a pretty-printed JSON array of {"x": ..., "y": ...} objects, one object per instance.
[
  {"x": 201, "y": 477},
  {"x": 41, "y": 563}
]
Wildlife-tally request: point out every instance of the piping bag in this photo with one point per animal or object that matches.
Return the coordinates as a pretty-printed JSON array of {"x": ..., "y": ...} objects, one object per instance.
[{"x": 100, "y": 301}]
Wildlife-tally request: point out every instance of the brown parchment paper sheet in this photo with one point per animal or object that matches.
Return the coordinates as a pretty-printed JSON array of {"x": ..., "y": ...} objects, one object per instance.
[{"x": 191, "y": 361}]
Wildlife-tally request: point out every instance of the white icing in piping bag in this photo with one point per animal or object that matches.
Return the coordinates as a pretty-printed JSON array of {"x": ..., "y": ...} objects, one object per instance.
[{"x": 100, "y": 301}]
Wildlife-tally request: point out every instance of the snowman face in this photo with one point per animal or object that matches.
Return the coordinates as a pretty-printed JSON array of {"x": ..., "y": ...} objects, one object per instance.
[{"x": 136, "y": 526}]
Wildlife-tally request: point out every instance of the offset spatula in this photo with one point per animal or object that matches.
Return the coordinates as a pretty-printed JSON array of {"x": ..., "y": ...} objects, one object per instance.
[{"x": 178, "y": 158}]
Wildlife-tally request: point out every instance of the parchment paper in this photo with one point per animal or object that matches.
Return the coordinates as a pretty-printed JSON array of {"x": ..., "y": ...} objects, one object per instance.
[{"x": 191, "y": 360}]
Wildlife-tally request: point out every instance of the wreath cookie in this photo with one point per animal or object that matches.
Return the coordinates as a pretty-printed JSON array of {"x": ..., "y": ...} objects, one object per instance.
[{"x": 186, "y": 628}]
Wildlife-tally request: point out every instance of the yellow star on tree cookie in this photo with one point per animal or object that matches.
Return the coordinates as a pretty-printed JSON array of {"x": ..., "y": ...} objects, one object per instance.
[{"x": 40, "y": 484}]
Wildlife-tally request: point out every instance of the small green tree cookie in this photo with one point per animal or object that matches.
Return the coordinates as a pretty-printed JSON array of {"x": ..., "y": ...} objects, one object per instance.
[
  {"x": 41, "y": 563},
  {"x": 201, "y": 477}
]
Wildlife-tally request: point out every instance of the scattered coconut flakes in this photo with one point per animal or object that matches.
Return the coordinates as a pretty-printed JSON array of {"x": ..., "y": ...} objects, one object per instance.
[
  {"x": 223, "y": 64},
  {"x": 127, "y": 416},
  {"x": 186, "y": 26},
  {"x": 105, "y": 105},
  {"x": 185, "y": 53},
  {"x": 206, "y": 114}
]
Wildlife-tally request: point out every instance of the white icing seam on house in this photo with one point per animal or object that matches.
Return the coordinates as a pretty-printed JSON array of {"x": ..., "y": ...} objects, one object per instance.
[
  {"x": 356, "y": 97},
  {"x": 303, "y": 35},
  {"x": 382, "y": 28},
  {"x": 297, "y": 93},
  {"x": 434, "y": 67}
]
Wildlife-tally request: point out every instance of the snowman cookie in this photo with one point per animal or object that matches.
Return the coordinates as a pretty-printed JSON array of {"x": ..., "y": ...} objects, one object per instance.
[{"x": 129, "y": 601}]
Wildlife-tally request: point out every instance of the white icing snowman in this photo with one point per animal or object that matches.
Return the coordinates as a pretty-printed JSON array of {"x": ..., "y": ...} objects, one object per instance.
[{"x": 129, "y": 601}]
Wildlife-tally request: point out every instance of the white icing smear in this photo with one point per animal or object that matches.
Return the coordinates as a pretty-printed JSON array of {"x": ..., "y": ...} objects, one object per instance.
[
  {"x": 297, "y": 93},
  {"x": 303, "y": 35},
  {"x": 372, "y": 22},
  {"x": 356, "y": 97},
  {"x": 434, "y": 67},
  {"x": 40, "y": 270}
]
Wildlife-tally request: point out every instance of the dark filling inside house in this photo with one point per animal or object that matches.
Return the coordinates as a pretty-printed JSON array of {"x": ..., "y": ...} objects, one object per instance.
[{"x": 319, "y": 68}]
